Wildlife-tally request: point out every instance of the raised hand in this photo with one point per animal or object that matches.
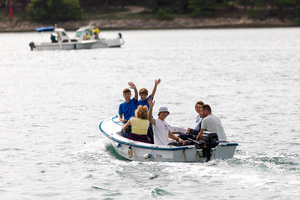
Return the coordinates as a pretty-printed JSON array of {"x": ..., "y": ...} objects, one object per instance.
[
  {"x": 157, "y": 81},
  {"x": 150, "y": 102},
  {"x": 131, "y": 84}
]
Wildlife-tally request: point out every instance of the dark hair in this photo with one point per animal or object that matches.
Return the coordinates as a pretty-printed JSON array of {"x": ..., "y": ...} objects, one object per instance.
[
  {"x": 126, "y": 90},
  {"x": 200, "y": 103},
  {"x": 206, "y": 107}
]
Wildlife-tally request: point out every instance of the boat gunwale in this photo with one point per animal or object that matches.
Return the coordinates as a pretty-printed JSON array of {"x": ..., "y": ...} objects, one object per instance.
[
  {"x": 142, "y": 146},
  {"x": 153, "y": 147}
]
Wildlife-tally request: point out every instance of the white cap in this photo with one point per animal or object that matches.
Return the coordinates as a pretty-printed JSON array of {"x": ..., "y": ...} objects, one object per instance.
[{"x": 163, "y": 109}]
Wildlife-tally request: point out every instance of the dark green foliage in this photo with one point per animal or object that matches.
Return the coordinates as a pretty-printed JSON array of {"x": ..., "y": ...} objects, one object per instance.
[
  {"x": 163, "y": 15},
  {"x": 54, "y": 10},
  {"x": 202, "y": 7}
]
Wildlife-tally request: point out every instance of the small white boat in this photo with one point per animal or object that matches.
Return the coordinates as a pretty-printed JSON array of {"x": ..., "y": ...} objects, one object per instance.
[
  {"x": 79, "y": 41},
  {"x": 139, "y": 151}
]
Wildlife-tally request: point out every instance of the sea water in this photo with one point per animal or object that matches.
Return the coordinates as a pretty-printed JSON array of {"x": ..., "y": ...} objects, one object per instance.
[{"x": 51, "y": 103}]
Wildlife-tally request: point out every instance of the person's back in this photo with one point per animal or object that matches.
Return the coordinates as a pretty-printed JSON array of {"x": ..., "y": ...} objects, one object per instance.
[
  {"x": 53, "y": 39},
  {"x": 213, "y": 124},
  {"x": 139, "y": 126}
]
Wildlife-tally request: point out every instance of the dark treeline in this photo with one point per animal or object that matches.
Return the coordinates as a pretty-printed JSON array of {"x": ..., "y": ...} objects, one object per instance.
[{"x": 74, "y": 9}]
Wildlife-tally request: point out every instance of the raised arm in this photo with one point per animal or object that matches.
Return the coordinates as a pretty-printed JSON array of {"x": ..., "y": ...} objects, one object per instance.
[
  {"x": 154, "y": 89},
  {"x": 132, "y": 86},
  {"x": 151, "y": 104}
]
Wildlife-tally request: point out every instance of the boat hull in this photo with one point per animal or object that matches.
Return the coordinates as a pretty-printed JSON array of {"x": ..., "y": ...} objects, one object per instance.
[
  {"x": 138, "y": 151},
  {"x": 94, "y": 44}
]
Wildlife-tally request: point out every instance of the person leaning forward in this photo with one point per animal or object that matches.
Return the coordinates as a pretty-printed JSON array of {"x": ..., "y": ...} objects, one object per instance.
[{"x": 161, "y": 129}]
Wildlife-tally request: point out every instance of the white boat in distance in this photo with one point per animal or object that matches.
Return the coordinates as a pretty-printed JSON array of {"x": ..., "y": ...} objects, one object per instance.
[
  {"x": 139, "y": 151},
  {"x": 64, "y": 42}
]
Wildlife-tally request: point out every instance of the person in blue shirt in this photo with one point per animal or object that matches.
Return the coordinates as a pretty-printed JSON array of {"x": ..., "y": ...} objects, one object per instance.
[
  {"x": 144, "y": 102},
  {"x": 144, "y": 93},
  {"x": 128, "y": 107}
]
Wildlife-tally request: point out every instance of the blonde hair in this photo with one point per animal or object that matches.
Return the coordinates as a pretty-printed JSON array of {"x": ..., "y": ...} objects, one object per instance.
[
  {"x": 141, "y": 112},
  {"x": 143, "y": 91}
]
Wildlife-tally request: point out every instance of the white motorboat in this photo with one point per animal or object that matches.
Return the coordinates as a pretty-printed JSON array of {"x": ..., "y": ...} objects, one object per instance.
[
  {"x": 63, "y": 42},
  {"x": 139, "y": 151}
]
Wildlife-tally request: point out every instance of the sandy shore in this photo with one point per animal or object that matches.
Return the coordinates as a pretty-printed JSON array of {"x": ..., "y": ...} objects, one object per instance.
[{"x": 131, "y": 24}]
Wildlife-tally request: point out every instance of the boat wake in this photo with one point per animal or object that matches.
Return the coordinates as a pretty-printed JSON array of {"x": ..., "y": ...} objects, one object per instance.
[{"x": 278, "y": 163}]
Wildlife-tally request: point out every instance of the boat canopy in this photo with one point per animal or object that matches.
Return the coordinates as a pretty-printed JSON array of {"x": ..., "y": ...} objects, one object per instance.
[{"x": 43, "y": 29}]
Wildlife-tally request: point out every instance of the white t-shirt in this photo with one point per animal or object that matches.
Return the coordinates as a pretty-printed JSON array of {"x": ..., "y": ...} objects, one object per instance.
[
  {"x": 213, "y": 124},
  {"x": 161, "y": 132}
]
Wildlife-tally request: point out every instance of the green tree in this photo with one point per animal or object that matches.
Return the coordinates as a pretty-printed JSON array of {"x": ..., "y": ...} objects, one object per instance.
[
  {"x": 54, "y": 10},
  {"x": 202, "y": 7}
]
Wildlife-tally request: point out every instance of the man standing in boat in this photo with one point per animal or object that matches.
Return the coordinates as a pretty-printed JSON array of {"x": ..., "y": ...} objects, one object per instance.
[
  {"x": 211, "y": 123},
  {"x": 128, "y": 107},
  {"x": 161, "y": 129}
]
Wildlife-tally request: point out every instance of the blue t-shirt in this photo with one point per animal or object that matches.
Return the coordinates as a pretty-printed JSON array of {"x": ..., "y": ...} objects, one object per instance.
[
  {"x": 144, "y": 103},
  {"x": 128, "y": 109}
]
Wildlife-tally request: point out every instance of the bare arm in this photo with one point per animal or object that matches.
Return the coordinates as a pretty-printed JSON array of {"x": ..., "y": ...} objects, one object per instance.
[
  {"x": 136, "y": 94},
  {"x": 121, "y": 119},
  {"x": 174, "y": 137},
  {"x": 155, "y": 87},
  {"x": 188, "y": 131},
  {"x": 199, "y": 136},
  {"x": 151, "y": 104},
  {"x": 126, "y": 125}
]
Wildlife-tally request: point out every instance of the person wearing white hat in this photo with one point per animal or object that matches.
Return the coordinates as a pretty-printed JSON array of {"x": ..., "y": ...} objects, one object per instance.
[{"x": 161, "y": 129}]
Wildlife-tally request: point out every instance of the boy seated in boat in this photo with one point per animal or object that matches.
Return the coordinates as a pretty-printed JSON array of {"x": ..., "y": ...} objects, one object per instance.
[
  {"x": 161, "y": 129},
  {"x": 128, "y": 107},
  {"x": 139, "y": 125},
  {"x": 144, "y": 102}
]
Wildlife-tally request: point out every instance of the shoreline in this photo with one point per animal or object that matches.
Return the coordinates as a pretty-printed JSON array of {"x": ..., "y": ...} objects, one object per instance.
[{"x": 16, "y": 25}]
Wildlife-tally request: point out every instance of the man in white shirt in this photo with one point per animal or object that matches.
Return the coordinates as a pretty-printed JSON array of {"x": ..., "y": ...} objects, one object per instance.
[
  {"x": 161, "y": 129},
  {"x": 211, "y": 123}
]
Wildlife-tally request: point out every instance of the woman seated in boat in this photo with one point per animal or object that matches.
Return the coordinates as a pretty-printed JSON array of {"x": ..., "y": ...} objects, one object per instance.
[
  {"x": 139, "y": 125},
  {"x": 192, "y": 133}
]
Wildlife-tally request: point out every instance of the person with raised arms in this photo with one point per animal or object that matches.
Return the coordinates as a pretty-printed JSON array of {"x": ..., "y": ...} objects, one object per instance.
[{"x": 128, "y": 107}]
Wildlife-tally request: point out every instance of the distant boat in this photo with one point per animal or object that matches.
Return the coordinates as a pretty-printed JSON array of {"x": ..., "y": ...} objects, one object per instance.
[
  {"x": 63, "y": 42},
  {"x": 139, "y": 151},
  {"x": 44, "y": 29}
]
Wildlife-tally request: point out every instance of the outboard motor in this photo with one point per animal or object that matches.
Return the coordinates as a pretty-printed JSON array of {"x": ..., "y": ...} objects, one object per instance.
[
  {"x": 210, "y": 141},
  {"x": 31, "y": 44}
]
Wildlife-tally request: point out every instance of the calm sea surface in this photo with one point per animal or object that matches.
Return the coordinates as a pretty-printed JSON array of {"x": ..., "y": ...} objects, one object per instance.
[{"x": 52, "y": 102}]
